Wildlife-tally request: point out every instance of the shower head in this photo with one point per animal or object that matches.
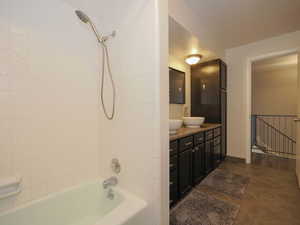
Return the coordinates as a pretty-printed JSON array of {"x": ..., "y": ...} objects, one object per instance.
[{"x": 83, "y": 17}]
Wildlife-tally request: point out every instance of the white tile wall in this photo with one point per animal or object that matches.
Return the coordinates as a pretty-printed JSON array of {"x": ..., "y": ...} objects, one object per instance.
[{"x": 52, "y": 129}]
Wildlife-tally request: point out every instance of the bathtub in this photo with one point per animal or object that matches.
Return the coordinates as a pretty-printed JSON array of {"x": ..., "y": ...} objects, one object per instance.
[{"x": 86, "y": 204}]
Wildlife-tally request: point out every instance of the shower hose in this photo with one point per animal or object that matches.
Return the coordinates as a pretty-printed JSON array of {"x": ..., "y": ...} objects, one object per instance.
[{"x": 106, "y": 61}]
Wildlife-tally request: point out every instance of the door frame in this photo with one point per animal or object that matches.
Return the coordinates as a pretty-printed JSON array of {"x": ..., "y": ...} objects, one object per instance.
[{"x": 248, "y": 109}]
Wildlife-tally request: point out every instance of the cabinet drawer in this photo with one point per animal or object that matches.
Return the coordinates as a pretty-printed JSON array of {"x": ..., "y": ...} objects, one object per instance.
[
  {"x": 199, "y": 138},
  {"x": 209, "y": 134},
  {"x": 217, "y": 140},
  {"x": 173, "y": 187},
  {"x": 173, "y": 148},
  {"x": 186, "y": 143},
  {"x": 173, "y": 196},
  {"x": 217, "y": 132},
  {"x": 217, "y": 155},
  {"x": 173, "y": 179},
  {"x": 173, "y": 163}
]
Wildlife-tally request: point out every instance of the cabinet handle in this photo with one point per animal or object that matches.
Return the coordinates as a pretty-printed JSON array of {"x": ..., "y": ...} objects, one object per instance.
[
  {"x": 188, "y": 143},
  {"x": 171, "y": 183}
]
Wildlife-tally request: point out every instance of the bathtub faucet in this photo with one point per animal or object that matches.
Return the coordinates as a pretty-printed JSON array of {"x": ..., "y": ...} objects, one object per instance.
[{"x": 110, "y": 182}]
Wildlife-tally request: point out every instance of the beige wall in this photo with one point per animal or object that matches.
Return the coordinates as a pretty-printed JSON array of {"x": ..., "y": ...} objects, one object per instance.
[
  {"x": 52, "y": 129},
  {"x": 176, "y": 111},
  {"x": 239, "y": 83},
  {"x": 274, "y": 92}
]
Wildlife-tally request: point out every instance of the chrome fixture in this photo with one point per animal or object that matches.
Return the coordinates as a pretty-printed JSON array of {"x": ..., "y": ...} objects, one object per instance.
[
  {"x": 105, "y": 60},
  {"x": 110, "y": 194},
  {"x": 110, "y": 182},
  {"x": 115, "y": 166}
]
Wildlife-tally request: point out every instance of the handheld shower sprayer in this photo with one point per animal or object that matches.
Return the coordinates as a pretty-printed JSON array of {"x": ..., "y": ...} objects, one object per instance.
[{"x": 105, "y": 61}]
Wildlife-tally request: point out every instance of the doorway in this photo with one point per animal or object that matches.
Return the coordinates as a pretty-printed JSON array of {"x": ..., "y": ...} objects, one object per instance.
[{"x": 272, "y": 104}]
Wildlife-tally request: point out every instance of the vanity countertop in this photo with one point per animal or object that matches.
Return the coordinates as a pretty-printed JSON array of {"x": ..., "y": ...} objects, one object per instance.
[{"x": 184, "y": 131}]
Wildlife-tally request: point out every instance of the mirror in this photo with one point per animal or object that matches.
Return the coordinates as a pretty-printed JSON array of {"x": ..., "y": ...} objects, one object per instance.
[{"x": 177, "y": 86}]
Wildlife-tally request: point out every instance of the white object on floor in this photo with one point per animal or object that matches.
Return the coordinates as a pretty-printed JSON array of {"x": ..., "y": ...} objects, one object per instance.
[
  {"x": 193, "y": 122},
  {"x": 10, "y": 186},
  {"x": 256, "y": 150},
  {"x": 174, "y": 125}
]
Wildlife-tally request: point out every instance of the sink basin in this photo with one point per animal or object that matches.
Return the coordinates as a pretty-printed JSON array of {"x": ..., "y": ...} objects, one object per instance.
[
  {"x": 174, "y": 125},
  {"x": 193, "y": 122}
]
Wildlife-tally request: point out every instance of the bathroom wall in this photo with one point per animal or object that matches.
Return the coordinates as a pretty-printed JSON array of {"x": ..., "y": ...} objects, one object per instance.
[
  {"x": 274, "y": 92},
  {"x": 238, "y": 84},
  {"x": 177, "y": 110},
  {"x": 52, "y": 129},
  {"x": 50, "y": 123}
]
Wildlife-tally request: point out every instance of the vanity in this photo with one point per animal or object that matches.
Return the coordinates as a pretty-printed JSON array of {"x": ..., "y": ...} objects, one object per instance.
[{"x": 194, "y": 153}]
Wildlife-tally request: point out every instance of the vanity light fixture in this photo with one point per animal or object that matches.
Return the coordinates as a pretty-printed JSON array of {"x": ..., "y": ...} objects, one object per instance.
[{"x": 193, "y": 59}]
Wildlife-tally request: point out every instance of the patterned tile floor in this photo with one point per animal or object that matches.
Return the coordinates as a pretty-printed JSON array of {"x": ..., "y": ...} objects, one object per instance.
[
  {"x": 272, "y": 196},
  {"x": 200, "y": 208}
]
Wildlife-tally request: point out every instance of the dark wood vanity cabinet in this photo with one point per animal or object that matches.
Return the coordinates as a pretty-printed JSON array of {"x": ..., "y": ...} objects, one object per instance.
[
  {"x": 208, "y": 156},
  {"x": 217, "y": 154},
  {"x": 173, "y": 187},
  {"x": 185, "y": 171},
  {"x": 198, "y": 163},
  {"x": 224, "y": 124},
  {"x": 209, "y": 95},
  {"x": 173, "y": 165},
  {"x": 191, "y": 159}
]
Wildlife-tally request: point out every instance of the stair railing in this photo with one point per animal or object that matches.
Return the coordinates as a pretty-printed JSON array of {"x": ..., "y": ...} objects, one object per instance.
[{"x": 274, "y": 133}]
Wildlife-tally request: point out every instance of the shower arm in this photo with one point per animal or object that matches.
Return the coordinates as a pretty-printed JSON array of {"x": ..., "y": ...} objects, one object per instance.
[{"x": 101, "y": 39}]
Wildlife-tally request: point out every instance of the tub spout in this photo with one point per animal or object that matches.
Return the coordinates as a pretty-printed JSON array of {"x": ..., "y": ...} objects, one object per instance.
[{"x": 110, "y": 182}]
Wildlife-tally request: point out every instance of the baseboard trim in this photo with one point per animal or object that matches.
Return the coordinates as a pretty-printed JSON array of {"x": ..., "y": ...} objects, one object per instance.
[{"x": 235, "y": 159}]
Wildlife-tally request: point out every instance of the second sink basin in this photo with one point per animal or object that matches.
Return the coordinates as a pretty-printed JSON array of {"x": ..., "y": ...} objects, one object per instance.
[
  {"x": 174, "y": 125},
  {"x": 193, "y": 122}
]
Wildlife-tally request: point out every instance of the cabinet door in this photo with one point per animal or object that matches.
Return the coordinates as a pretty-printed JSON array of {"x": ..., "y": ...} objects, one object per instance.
[
  {"x": 217, "y": 155},
  {"x": 208, "y": 156},
  {"x": 185, "y": 171},
  {"x": 198, "y": 163},
  {"x": 173, "y": 187},
  {"x": 223, "y": 75},
  {"x": 224, "y": 124},
  {"x": 205, "y": 91}
]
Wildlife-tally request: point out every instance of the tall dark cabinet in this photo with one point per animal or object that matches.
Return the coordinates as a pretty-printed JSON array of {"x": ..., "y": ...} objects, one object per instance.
[{"x": 209, "y": 95}]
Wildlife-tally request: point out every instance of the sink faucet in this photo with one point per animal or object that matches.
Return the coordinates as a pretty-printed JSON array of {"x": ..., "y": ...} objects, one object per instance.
[{"x": 110, "y": 182}]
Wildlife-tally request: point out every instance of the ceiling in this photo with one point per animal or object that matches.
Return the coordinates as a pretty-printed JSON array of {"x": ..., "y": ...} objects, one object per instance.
[
  {"x": 276, "y": 63},
  {"x": 182, "y": 43},
  {"x": 231, "y": 23}
]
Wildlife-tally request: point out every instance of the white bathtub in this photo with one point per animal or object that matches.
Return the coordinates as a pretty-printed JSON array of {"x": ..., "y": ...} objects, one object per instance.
[{"x": 83, "y": 205}]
